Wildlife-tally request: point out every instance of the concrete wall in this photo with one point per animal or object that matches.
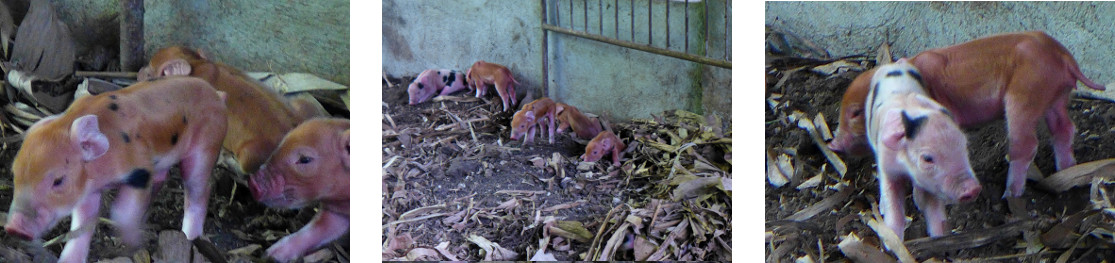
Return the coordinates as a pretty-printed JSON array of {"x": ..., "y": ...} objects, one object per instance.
[
  {"x": 848, "y": 28},
  {"x": 254, "y": 35},
  {"x": 596, "y": 77}
]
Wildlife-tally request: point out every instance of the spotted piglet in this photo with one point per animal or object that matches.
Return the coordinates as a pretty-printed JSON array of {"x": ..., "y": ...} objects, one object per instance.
[
  {"x": 126, "y": 139},
  {"x": 916, "y": 142},
  {"x": 440, "y": 82}
]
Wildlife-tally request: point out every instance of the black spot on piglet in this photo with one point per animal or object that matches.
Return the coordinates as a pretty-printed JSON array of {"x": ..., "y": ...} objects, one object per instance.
[
  {"x": 912, "y": 125},
  {"x": 138, "y": 178},
  {"x": 894, "y": 73},
  {"x": 174, "y": 139},
  {"x": 420, "y": 86},
  {"x": 184, "y": 121},
  {"x": 125, "y": 136},
  {"x": 113, "y": 97},
  {"x": 113, "y": 106}
]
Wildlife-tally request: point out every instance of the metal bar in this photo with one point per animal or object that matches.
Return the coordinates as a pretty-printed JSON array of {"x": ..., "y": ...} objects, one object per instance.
[
  {"x": 707, "y": 32},
  {"x": 632, "y": 20},
  {"x": 585, "y": 3},
  {"x": 647, "y": 48},
  {"x": 615, "y": 7},
  {"x": 686, "y": 26},
  {"x": 650, "y": 33},
  {"x": 667, "y": 24},
  {"x": 131, "y": 35},
  {"x": 570, "y": 13},
  {"x": 545, "y": 51},
  {"x": 600, "y": 15},
  {"x": 727, "y": 5},
  {"x": 557, "y": 12}
]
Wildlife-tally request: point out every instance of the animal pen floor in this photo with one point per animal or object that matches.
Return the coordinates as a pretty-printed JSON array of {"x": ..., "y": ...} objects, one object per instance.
[
  {"x": 456, "y": 188},
  {"x": 812, "y": 221}
]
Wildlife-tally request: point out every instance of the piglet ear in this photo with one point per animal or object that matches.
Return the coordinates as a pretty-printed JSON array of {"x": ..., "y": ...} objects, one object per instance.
[
  {"x": 529, "y": 114},
  {"x": 893, "y": 130},
  {"x": 87, "y": 137},
  {"x": 175, "y": 67},
  {"x": 345, "y": 152}
]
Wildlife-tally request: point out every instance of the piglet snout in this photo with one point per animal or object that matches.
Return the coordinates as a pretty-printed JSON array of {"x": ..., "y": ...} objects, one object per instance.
[
  {"x": 971, "y": 194},
  {"x": 15, "y": 227}
]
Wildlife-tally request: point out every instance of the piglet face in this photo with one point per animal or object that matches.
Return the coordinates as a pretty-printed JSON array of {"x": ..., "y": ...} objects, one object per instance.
[
  {"x": 49, "y": 180},
  {"x": 599, "y": 146},
  {"x": 937, "y": 158},
  {"x": 311, "y": 164},
  {"x": 419, "y": 92},
  {"x": 521, "y": 122}
]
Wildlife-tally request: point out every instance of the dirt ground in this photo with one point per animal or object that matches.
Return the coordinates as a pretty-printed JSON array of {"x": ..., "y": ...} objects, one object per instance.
[
  {"x": 1047, "y": 213},
  {"x": 449, "y": 188}
]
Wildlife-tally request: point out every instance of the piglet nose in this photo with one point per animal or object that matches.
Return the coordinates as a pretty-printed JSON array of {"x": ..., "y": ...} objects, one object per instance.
[
  {"x": 17, "y": 233},
  {"x": 971, "y": 194}
]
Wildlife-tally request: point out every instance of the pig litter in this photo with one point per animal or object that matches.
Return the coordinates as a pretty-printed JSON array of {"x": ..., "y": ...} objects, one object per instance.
[
  {"x": 455, "y": 187},
  {"x": 823, "y": 207}
]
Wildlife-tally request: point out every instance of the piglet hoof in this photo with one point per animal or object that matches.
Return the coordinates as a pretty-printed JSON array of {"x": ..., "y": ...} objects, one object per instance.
[{"x": 284, "y": 251}]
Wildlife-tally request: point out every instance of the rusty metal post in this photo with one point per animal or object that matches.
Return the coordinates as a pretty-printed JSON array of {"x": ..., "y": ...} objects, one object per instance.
[
  {"x": 545, "y": 51},
  {"x": 131, "y": 35}
]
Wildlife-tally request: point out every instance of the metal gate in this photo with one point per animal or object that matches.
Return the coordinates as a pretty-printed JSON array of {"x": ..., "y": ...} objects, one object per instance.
[{"x": 566, "y": 19}]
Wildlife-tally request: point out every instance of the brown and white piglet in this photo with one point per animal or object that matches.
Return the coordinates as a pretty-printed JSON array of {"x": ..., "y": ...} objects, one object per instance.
[
  {"x": 916, "y": 144},
  {"x": 1023, "y": 77},
  {"x": 126, "y": 139},
  {"x": 435, "y": 82},
  {"x": 258, "y": 117},
  {"x": 583, "y": 127},
  {"x": 604, "y": 143},
  {"x": 311, "y": 165},
  {"x": 536, "y": 114},
  {"x": 483, "y": 73}
]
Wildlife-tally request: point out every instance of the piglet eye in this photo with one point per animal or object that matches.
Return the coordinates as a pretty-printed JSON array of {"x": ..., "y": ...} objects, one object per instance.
[
  {"x": 305, "y": 159},
  {"x": 856, "y": 113},
  {"x": 58, "y": 181},
  {"x": 927, "y": 158}
]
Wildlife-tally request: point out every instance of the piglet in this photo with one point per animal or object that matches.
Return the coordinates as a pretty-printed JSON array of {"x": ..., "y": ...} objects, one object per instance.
[
  {"x": 916, "y": 142},
  {"x": 603, "y": 143},
  {"x": 310, "y": 165},
  {"x": 583, "y": 127},
  {"x": 258, "y": 116},
  {"x": 126, "y": 139},
  {"x": 483, "y": 73},
  {"x": 1023, "y": 77},
  {"x": 440, "y": 82},
  {"x": 536, "y": 114}
]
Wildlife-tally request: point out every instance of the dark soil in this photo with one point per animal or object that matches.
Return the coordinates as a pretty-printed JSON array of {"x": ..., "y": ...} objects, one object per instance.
[
  {"x": 812, "y": 93},
  {"x": 466, "y": 173}
]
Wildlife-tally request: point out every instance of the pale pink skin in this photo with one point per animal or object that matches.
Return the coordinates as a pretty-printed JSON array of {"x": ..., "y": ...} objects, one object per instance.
[
  {"x": 934, "y": 161},
  {"x": 432, "y": 82},
  {"x": 310, "y": 165},
  {"x": 59, "y": 178},
  {"x": 1023, "y": 77}
]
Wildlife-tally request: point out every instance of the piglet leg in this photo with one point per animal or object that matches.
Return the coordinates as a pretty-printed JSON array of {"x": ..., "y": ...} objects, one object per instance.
[
  {"x": 128, "y": 212},
  {"x": 893, "y": 192},
  {"x": 82, "y": 225},
  {"x": 325, "y": 226},
  {"x": 195, "y": 178},
  {"x": 1021, "y": 120},
  {"x": 501, "y": 89},
  {"x": 1062, "y": 129},
  {"x": 934, "y": 210},
  {"x": 553, "y": 127}
]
